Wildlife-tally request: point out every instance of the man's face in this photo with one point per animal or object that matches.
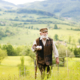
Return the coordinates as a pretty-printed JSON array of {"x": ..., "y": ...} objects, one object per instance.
[{"x": 44, "y": 34}]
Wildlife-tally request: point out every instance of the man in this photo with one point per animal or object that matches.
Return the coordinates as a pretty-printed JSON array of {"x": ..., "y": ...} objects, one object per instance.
[{"x": 43, "y": 46}]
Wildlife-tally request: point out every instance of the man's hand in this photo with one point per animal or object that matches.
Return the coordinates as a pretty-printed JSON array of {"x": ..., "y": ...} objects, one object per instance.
[
  {"x": 36, "y": 48},
  {"x": 57, "y": 60}
]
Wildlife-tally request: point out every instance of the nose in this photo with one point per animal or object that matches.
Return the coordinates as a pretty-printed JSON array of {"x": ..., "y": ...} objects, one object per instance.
[{"x": 45, "y": 34}]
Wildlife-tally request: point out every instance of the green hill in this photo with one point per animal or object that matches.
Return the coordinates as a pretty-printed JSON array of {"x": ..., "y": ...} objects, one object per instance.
[
  {"x": 6, "y": 5},
  {"x": 21, "y": 27},
  {"x": 62, "y": 8},
  {"x": 65, "y": 8}
]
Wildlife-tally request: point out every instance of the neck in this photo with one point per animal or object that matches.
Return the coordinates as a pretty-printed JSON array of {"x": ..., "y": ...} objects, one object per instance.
[{"x": 44, "y": 39}]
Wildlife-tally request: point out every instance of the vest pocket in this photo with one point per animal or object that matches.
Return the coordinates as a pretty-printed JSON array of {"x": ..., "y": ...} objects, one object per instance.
[{"x": 48, "y": 59}]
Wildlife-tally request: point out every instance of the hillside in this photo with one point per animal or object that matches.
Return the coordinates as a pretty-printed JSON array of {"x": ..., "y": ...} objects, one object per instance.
[
  {"x": 64, "y": 8},
  {"x": 21, "y": 27},
  {"x": 6, "y": 5}
]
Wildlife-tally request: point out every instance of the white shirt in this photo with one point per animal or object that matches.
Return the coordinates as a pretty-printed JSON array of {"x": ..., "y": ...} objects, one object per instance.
[{"x": 55, "y": 51}]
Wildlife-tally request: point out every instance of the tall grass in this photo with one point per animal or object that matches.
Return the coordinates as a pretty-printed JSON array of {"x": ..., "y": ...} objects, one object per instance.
[{"x": 9, "y": 70}]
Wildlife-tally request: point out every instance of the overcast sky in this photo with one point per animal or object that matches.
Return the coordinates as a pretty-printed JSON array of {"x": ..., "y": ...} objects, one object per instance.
[{"x": 21, "y": 1}]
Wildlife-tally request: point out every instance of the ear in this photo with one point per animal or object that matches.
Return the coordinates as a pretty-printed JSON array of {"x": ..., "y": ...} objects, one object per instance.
[{"x": 40, "y": 33}]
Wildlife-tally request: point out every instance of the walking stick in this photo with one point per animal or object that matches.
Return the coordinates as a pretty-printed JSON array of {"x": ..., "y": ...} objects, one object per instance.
[
  {"x": 58, "y": 68},
  {"x": 57, "y": 63},
  {"x": 35, "y": 64}
]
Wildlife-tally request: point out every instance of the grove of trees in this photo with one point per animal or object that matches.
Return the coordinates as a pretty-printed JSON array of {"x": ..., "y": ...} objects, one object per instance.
[
  {"x": 10, "y": 50},
  {"x": 3, "y": 54}
]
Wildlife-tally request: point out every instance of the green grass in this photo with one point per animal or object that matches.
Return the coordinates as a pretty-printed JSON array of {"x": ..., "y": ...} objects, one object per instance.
[
  {"x": 22, "y": 38},
  {"x": 9, "y": 70}
]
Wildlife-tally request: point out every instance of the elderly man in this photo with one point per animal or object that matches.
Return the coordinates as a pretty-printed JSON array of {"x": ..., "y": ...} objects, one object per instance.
[{"x": 43, "y": 46}]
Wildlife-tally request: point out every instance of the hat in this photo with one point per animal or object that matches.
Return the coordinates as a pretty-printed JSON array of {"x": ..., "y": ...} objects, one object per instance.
[{"x": 43, "y": 30}]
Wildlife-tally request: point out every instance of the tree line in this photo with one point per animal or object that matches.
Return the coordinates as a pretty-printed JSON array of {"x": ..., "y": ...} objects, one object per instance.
[
  {"x": 39, "y": 12},
  {"x": 10, "y": 50}
]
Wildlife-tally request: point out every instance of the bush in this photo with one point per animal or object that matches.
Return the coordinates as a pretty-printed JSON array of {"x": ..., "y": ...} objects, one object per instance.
[
  {"x": 63, "y": 53},
  {"x": 10, "y": 50},
  {"x": 28, "y": 52},
  {"x": 22, "y": 68},
  {"x": 3, "y": 54}
]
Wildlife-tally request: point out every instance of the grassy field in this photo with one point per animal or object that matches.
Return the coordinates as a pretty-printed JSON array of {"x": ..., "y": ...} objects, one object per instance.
[
  {"x": 17, "y": 24},
  {"x": 9, "y": 70},
  {"x": 25, "y": 36},
  {"x": 22, "y": 38}
]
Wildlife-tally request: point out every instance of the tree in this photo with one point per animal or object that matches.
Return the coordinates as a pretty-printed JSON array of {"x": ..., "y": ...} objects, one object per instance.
[
  {"x": 3, "y": 54},
  {"x": 79, "y": 41},
  {"x": 76, "y": 52},
  {"x": 18, "y": 50},
  {"x": 28, "y": 52},
  {"x": 55, "y": 26},
  {"x": 10, "y": 50},
  {"x": 62, "y": 54},
  {"x": 56, "y": 37}
]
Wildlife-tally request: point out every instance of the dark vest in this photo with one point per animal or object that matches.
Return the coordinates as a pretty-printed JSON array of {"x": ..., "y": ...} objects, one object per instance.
[{"x": 44, "y": 56}]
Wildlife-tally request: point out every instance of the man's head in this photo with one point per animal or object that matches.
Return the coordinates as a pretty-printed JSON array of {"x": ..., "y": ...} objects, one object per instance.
[{"x": 44, "y": 33}]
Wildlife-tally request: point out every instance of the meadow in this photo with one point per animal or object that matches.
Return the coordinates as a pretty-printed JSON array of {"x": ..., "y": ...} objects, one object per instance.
[
  {"x": 9, "y": 69},
  {"x": 20, "y": 25},
  {"x": 27, "y": 36}
]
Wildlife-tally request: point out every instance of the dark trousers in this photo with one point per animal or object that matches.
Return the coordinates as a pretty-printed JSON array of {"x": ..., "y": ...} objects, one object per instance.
[{"x": 43, "y": 68}]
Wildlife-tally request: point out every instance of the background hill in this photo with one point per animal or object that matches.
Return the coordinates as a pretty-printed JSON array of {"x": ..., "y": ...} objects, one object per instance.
[
  {"x": 64, "y": 8},
  {"x": 18, "y": 24},
  {"x": 6, "y": 5}
]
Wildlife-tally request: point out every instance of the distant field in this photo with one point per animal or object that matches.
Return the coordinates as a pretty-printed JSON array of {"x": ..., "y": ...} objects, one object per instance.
[
  {"x": 10, "y": 71},
  {"x": 16, "y": 23},
  {"x": 22, "y": 38}
]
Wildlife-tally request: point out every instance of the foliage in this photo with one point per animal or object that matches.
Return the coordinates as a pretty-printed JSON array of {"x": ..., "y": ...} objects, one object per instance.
[
  {"x": 10, "y": 50},
  {"x": 20, "y": 11},
  {"x": 63, "y": 53},
  {"x": 76, "y": 52},
  {"x": 55, "y": 26},
  {"x": 79, "y": 41},
  {"x": 22, "y": 67},
  {"x": 28, "y": 52},
  {"x": 18, "y": 50},
  {"x": 3, "y": 54},
  {"x": 56, "y": 37},
  {"x": 5, "y": 33},
  {"x": 2, "y": 34}
]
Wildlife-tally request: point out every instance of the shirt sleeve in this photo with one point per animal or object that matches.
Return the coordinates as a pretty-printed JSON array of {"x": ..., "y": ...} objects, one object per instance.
[
  {"x": 33, "y": 44},
  {"x": 55, "y": 51}
]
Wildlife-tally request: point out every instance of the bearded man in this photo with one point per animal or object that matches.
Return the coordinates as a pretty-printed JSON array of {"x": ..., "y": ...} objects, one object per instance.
[{"x": 44, "y": 46}]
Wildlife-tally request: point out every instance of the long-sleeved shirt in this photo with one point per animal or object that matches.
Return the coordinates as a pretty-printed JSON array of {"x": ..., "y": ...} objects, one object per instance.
[{"x": 55, "y": 51}]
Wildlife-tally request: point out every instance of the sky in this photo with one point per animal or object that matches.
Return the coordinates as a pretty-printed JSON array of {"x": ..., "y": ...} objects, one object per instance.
[{"x": 16, "y": 2}]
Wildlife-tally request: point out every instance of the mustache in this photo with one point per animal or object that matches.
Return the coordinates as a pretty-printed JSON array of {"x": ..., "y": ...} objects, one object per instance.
[{"x": 46, "y": 36}]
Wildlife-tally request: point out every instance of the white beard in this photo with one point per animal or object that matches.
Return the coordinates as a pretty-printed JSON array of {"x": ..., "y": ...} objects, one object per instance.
[{"x": 44, "y": 36}]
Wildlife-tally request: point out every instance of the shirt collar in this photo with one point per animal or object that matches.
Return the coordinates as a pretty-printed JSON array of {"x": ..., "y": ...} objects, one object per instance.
[{"x": 41, "y": 38}]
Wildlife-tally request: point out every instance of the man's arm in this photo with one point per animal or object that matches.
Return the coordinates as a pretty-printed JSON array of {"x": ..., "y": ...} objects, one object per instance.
[
  {"x": 34, "y": 46},
  {"x": 56, "y": 54}
]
